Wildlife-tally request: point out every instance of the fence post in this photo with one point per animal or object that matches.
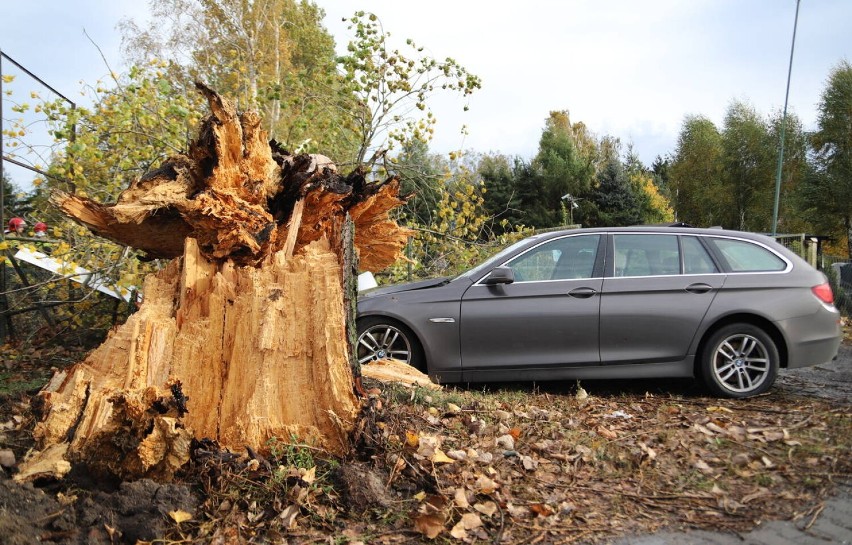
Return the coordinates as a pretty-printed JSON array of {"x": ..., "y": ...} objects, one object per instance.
[{"x": 812, "y": 252}]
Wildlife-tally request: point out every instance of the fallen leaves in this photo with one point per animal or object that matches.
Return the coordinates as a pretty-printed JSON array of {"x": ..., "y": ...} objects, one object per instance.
[
  {"x": 485, "y": 485},
  {"x": 487, "y": 508},
  {"x": 506, "y": 442},
  {"x": 460, "y": 498},
  {"x": 180, "y": 516},
  {"x": 540, "y": 510},
  {"x": 508, "y": 467},
  {"x": 432, "y": 515},
  {"x": 440, "y": 458},
  {"x": 606, "y": 433},
  {"x": 564, "y": 466}
]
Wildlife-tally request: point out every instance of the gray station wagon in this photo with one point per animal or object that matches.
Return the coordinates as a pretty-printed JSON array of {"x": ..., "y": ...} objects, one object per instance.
[{"x": 727, "y": 307}]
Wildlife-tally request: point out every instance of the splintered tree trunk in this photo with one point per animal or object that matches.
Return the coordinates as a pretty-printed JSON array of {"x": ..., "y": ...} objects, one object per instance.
[{"x": 243, "y": 337}]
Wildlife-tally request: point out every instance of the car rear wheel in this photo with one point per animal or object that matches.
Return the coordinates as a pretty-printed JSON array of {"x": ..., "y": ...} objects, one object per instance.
[
  {"x": 739, "y": 360},
  {"x": 382, "y": 338}
]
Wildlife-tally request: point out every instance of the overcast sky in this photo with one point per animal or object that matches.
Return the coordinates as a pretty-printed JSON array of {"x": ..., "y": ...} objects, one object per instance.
[{"x": 628, "y": 68}]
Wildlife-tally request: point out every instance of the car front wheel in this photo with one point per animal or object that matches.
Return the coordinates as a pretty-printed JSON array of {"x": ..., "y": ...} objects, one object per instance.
[
  {"x": 739, "y": 360},
  {"x": 382, "y": 338}
]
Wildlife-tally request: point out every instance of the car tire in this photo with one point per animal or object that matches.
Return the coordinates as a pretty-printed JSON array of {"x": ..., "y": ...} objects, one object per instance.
[
  {"x": 380, "y": 338},
  {"x": 739, "y": 360}
]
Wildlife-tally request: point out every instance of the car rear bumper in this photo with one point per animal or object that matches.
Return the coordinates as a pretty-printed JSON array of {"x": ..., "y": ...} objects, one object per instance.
[{"x": 816, "y": 338}]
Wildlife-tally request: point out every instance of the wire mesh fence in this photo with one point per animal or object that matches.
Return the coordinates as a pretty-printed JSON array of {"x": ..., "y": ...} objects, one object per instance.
[{"x": 801, "y": 245}]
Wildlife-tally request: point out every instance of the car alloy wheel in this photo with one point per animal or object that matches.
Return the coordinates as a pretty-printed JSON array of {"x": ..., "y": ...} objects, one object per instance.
[
  {"x": 741, "y": 361},
  {"x": 383, "y": 341}
]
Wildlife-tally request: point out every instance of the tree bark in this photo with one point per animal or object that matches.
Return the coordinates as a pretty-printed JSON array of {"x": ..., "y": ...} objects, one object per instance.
[{"x": 242, "y": 338}]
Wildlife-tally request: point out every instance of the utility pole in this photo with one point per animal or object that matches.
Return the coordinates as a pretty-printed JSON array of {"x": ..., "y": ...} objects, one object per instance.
[{"x": 783, "y": 128}]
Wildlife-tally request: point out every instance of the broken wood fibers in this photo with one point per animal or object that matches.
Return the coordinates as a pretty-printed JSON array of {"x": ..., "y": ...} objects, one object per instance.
[{"x": 243, "y": 338}]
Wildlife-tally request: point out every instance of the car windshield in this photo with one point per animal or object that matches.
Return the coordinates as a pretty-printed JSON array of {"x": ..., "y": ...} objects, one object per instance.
[{"x": 496, "y": 258}]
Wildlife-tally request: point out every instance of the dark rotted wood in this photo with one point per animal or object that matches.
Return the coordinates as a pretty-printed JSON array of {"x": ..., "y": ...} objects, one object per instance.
[{"x": 350, "y": 295}]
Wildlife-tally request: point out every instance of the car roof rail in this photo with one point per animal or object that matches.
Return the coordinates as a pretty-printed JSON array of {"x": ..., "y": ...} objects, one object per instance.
[{"x": 669, "y": 224}]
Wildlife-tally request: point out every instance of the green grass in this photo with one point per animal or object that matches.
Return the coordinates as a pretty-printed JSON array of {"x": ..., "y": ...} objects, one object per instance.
[{"x": 12, "y": 384}]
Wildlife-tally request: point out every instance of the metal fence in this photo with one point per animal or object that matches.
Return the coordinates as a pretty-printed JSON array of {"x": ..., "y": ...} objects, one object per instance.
[
  {"x": 20, "y": 160},
  {"x": 808, "y": 248}
]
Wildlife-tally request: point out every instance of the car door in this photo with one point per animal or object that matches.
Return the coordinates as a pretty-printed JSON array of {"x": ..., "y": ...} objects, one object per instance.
[
  {"x": 655, "y": 296},
  {"x": 547, "y": 317}
]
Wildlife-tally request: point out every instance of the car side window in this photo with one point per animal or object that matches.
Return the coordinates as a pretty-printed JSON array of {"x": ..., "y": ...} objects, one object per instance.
[
  {"x": 646, "y": 255},
  {"x": 696, "y": 260},
  {"x": 560, "y": 259},
  {"x": 745, "y": 256}
]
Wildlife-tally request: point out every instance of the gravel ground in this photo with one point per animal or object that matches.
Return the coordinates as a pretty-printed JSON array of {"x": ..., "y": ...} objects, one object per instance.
[{"x": 831, "y": 380}]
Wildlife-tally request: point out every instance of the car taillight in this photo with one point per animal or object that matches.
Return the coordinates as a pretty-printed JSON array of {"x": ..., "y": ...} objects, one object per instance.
[{"x": 823, "y": 293}]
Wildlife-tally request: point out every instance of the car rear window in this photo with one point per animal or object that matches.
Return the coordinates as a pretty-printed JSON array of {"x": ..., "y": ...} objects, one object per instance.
[{"x": 743, "y": 256}]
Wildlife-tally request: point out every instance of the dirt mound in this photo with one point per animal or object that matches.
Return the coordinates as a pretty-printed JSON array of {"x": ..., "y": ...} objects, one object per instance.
[{"x": 136, "y": 511}]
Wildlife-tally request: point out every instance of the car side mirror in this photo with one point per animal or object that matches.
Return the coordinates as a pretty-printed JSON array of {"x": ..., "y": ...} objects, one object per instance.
[{"x": 500, "y": 275}]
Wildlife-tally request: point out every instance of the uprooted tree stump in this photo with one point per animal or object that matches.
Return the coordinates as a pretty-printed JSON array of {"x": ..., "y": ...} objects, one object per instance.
[{"x": 242, "y": 337}]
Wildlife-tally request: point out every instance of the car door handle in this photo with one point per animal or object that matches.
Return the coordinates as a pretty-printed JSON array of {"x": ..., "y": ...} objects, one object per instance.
[
  {"x": 699, "y": 288},
  {"x": 582, "y": 293}
]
